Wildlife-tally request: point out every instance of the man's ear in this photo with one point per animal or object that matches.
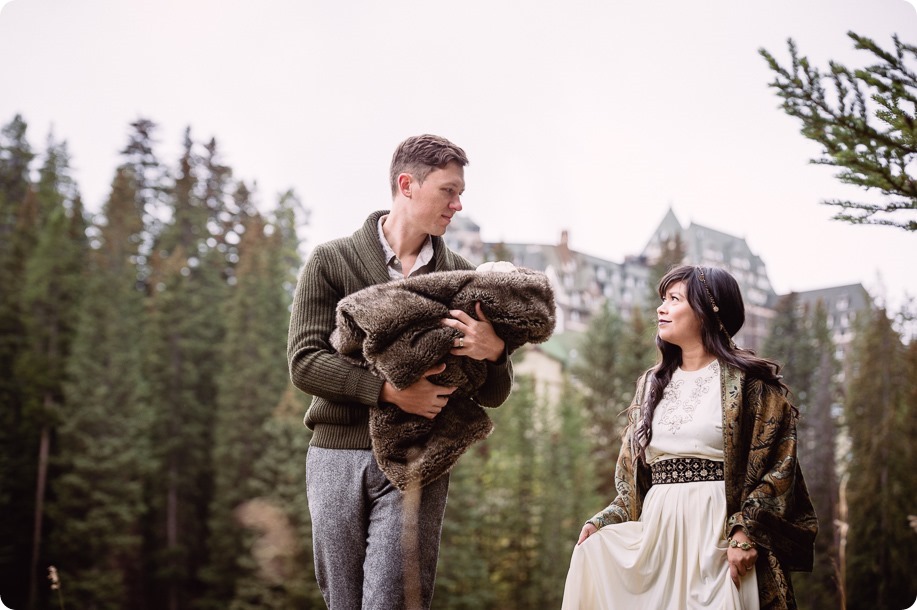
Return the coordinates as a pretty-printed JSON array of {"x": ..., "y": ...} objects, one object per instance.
[{"x": 405, "y": 180}]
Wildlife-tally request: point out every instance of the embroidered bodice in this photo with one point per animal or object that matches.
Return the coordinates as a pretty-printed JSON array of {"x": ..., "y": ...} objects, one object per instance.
[{"x": 688, "y": 421}]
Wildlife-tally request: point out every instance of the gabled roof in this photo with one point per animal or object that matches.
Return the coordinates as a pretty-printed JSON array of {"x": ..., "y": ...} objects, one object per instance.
[
  {"x": 698, "y": 235},
  {"x": 667, "y": 229},
  {"x": 707, "y": 246},
  {"x": 856, "y": 295}
]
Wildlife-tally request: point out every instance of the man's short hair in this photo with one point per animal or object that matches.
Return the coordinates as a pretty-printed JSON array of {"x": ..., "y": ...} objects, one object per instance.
[{"x": 418, "y": 155}]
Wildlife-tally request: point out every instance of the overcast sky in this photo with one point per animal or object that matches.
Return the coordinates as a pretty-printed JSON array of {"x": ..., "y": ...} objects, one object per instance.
[{"x": 594, "y": 117}]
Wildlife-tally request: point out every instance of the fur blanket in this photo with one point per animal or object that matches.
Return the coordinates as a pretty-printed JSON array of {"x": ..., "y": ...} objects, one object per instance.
[{"x": 394, "y": 330}]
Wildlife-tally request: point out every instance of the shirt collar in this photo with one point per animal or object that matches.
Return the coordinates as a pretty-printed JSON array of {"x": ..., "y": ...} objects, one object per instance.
[{"x": 395, "y": 270}]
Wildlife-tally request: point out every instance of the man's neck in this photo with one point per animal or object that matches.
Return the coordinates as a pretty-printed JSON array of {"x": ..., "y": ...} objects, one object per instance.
[{"x": 406, "y": 244}]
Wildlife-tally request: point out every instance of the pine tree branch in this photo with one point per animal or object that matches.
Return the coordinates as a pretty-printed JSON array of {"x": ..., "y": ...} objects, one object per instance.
[
  {"x": 867, "y": 126},
  {"x": 865, "y": 217}
]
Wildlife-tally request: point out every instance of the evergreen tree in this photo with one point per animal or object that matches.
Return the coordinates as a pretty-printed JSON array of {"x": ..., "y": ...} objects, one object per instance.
[
  {"x": 53, "y": 281},
  {"x": 187, "y": 226},
  {"x": 152, "y": 179},
  {"x": 150, "y": 174},
  {"x": 187, "y": 326},
  {"x": 820, "y": 589},
  {"x": 227, "y": 206},
  {"x": 104, "y": 454},
  {"x": 513, "y": 517},
  {"x": 15, "y": 160},
  {"x": 866, "y": 125},
  {"x": 500, "y": 252},
  {"x": 800, "y": 340},
  {"x": 463, "y": 575},
  {"x": 637, "y": 349},
  {"x": 607, "y": 391},
  {"x": 216, "y": 180},
  {"x": 277, "y": 568},
  {"x": 567, "y": 495},
  {"x": 791, "y": 343},
  {"x": 18, "y": 228},
  {"x": 252, "y": 379},
  {"x": 671, "y": 254},
  {"x": 17, "y": 236},
  {"x": 131, "y": 349},
  {"x": 490, "y": 534},
  {"x": 516, "y": 505},
  {"x": 879, "y": 409},
  {"x": 289, "y": 215}
]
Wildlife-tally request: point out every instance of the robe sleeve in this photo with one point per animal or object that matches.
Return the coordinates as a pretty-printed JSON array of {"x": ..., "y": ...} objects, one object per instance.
[
  {"x": 776, "y": 511},
  {"x": 630, "y": 482}
]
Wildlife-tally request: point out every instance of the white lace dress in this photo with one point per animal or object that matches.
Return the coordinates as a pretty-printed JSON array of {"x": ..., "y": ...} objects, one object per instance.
[{"x": 674, "y": 557}]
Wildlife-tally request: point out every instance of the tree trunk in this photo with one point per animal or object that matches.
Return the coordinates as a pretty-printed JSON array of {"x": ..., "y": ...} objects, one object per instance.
[
  {"x": 172, "y": 528},
  {"x": 43, "y": 449}
]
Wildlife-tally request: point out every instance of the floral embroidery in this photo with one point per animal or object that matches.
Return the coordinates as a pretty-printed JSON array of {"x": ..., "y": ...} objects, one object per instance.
[{"x": 679, "y": 409}]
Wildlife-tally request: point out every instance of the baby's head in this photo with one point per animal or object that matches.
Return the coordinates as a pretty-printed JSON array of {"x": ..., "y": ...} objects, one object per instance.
[{"x": 497, "y": 266}]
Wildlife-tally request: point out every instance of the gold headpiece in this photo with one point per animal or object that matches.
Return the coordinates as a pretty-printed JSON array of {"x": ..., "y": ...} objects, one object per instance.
[{"x": 716, "y": 309}]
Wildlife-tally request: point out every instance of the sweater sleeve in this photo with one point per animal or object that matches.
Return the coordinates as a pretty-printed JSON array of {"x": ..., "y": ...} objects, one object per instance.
[
  {"x": 497, "y": 386},
  {"x": 315, "y": 367}
]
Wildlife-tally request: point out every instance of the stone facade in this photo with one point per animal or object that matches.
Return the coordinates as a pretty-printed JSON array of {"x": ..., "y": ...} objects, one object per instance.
[{"x": 583, "y": 283}]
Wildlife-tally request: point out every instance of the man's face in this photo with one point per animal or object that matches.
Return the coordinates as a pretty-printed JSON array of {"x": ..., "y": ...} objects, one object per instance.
[{"x": 437, "y": 198}]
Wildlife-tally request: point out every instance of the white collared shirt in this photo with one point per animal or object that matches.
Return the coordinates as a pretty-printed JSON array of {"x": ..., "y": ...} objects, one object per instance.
[{"x": 395, "y": 270}]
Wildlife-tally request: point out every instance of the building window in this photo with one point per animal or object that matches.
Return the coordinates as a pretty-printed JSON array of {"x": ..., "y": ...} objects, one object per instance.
[{"x": 741, "y": 263}]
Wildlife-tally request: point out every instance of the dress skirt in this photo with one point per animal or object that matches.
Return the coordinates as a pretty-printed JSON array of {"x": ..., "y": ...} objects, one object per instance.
[{"x": 674, "y": 557}]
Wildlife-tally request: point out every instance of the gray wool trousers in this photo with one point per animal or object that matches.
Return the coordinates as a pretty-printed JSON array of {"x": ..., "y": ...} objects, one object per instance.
[{"x": 375, "y": 547}]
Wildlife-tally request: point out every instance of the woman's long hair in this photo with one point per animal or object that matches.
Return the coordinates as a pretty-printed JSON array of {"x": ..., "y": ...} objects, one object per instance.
[{"x": 715, "y": 298}]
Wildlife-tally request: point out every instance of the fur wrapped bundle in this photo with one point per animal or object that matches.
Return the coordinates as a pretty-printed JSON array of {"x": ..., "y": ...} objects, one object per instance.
[{"x": 394, "y": 330}]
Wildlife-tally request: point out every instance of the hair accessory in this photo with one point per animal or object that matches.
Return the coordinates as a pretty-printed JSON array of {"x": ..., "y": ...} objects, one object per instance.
[{"x": 716, "y": 309}]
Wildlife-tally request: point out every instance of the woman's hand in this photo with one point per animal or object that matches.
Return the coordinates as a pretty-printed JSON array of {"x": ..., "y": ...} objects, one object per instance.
[
  {"x": 477, "y": 339},
  {"x": 740, "y": 561},
  {"x": 587, "y": 531}
]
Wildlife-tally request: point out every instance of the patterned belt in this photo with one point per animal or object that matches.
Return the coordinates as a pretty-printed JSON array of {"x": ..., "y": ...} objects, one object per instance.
[{"x": 686, "y": 470}]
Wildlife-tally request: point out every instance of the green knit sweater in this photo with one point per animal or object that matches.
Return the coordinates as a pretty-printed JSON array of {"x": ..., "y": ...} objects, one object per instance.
[{"x": 342, "y": 392}]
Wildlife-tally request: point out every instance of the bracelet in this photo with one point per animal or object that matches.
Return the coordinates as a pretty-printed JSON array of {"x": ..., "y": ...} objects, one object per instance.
[{"x": 745, "y": 546}]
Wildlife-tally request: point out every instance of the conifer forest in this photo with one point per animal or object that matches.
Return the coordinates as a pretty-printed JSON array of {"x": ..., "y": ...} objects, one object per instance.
[{"x": 152, "y": 448}]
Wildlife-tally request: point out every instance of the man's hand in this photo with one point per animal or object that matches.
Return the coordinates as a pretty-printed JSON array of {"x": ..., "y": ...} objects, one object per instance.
[
  {"x": 422, "y": 397},
  {"x": 478, "y": 339}
]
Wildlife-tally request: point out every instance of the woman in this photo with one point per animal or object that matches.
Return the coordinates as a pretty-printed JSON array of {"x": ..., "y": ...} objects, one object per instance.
[{"x": 712, "y": 510}]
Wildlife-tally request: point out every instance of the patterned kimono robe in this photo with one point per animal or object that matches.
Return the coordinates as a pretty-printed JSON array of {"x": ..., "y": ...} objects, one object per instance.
[{"x": 765, "y": 490}]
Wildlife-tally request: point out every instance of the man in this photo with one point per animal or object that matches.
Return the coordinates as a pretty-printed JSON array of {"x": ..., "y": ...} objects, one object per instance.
[{"x": 356, "y": 512}]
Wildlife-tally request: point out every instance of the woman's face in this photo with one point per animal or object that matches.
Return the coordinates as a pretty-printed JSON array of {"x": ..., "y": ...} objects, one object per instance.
[{"x": 677, "y": 322}]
